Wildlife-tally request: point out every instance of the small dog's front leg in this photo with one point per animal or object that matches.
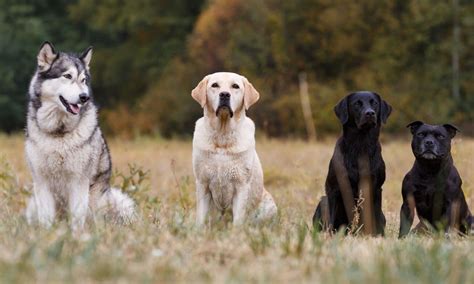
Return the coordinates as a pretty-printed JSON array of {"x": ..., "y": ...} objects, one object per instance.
[
  {"x": 41, "y": 206},
  {"x": 78, "y": 204},
  {"x": 407, "y": 214},
  {"x": 239, "y": 205},
  {"x": 203, "y": 199}
]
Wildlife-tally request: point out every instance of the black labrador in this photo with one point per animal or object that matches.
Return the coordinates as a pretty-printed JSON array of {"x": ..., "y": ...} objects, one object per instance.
[
  {"x": 356, "y": 163},
  {"x": 433, "y": 185}
]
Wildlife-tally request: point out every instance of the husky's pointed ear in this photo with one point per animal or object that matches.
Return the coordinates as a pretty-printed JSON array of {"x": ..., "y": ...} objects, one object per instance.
[
  {"x": 46, "y": 56},
  {"x": 452, "y": 130},
  {"x": 251, "y": 95},
  {"x": 199, "y": 93},
  {"x": 86, "y": 57},
  {"x": 385, "y": 108},
  {"x": 414, "y": 126},
  {"x": 342, "y": 109}
]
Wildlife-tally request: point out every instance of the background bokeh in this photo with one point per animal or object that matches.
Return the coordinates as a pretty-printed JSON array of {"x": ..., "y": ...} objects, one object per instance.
[{"x": 149, "y": 54}]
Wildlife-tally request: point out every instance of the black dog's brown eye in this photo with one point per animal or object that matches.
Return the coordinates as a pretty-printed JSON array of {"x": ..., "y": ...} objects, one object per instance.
[
  {"x": 235, "y": 86},
  {"x": 215, "y": 85},
  {"x": 67, "y": 76},
  {"x": 440, "y": 136},
  {"x": 420, "y": 134},
  {"x": 358, "y": 103}
]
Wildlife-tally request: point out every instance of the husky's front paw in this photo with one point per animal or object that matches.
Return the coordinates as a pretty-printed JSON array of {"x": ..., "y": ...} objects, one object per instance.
[{"x": 43, "y": 217}]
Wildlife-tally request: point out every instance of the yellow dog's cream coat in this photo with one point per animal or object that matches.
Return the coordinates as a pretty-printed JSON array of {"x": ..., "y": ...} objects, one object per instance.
[{"x": 226, "y": 165}]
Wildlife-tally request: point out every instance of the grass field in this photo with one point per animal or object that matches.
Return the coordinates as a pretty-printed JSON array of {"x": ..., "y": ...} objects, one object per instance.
[{"x": 166, "y": 247}]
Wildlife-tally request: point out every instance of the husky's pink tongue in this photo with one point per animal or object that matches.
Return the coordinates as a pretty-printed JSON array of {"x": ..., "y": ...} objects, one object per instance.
[{"x": 74, "y": 108}]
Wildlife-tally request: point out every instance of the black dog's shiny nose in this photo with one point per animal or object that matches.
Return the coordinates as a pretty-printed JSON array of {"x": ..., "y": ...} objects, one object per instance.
[
  {"x": 429, "y": 143},
  {"x": 224, "y": 95},
  {"x": 370, "y": 113},
  {"x": 83, "y": 97}
]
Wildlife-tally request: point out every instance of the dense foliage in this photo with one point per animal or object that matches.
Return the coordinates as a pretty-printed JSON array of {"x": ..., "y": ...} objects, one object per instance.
[{"x": 149, "y": 55}]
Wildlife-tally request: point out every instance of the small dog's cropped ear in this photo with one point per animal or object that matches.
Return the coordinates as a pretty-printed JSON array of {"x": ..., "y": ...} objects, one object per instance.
[
  {"x": 46, "y": 56},
  {"x": 385, "y": 109},
  {"x": 452, "y": 130},
  {"x": 342, "y": 109},
  {"x": 414, "y": 126},
  {"x": 86, "y": 57},
  {"x": 200, "y": 92},
  {"x": 251, "y": 95}
]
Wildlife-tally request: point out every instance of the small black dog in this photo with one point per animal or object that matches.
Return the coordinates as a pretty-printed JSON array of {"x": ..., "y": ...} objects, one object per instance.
[
  {"x": 433, "y": 185},
  {"x": 357, "y": 161}
]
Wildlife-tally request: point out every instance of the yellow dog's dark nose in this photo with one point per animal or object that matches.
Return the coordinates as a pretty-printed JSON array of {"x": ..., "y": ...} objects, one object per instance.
[{"x": 224, "y": 95}]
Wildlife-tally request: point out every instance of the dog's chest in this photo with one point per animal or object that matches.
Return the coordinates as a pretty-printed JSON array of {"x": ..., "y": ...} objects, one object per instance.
[
  {"x": 59, "y": 160},
  {"x": 430, "y": 199},
  {"x": 223, "y": 174}
]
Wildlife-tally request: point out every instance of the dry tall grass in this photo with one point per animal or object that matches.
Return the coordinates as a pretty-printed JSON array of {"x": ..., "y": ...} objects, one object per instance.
[{"x": 165, "y": 245}]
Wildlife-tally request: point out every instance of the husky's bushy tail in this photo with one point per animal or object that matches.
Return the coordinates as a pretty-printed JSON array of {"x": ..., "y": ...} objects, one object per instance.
[{"x": 117, "y": 207}]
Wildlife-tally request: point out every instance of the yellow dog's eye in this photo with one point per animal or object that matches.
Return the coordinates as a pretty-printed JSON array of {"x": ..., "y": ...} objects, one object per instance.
[
  {"x": 215, "y": 85},
  {"x": 67, "y": 76},
  {"x": 235, "y": 86}
]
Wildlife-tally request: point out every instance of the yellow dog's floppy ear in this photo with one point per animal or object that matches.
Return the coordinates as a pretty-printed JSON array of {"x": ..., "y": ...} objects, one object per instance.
[
  {"x": 251, "y": 95},
  {"x": 199, "y": 93}
]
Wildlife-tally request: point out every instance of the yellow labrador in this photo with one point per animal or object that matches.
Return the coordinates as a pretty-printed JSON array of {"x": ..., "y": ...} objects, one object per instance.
[{"x": 226, "y": 166}]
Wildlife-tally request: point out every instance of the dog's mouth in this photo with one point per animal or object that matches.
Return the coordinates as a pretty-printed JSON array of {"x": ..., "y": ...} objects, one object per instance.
[
  {"x": 224, "y": 111},
  {"x": 367, "y": 124},
  {"x": 71, "y": 108},
  {"x": 430, "y": 155}
]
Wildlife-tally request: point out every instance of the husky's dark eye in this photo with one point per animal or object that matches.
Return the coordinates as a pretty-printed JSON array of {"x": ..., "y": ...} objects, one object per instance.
[
  {"x": 235, "y": 86},
  {"x": 215, "y": 85},
  {"x": 67, "y": 76},
  {"x": 83, "y": 80}
]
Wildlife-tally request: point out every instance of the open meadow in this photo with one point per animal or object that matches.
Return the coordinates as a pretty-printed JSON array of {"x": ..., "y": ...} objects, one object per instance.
[{"x": 165, "y": 246}]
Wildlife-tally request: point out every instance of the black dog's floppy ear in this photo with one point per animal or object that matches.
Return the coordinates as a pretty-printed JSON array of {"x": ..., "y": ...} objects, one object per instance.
[
  {"x": 414, "y": 126},
  {"x": 452, "y": 130},
  {"x": 385, "y": 109},
  {"x": 342, "y": 110}
]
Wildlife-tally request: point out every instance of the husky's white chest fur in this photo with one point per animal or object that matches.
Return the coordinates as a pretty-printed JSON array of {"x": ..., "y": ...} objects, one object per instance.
[{"x": 62, "y": 156}]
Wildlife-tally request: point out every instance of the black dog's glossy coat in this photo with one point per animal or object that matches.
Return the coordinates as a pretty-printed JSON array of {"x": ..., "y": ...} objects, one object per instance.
[
  {"x": 433, "y": 185},
  {"x": 361, "y": 115}
]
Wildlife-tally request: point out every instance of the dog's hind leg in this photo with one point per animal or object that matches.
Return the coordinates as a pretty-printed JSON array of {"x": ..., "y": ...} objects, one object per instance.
[
  {"x": 321, "y": 215},
  {"x": 470, "y": 225},
  {"x": 266, "y": 210},
  {"x": 41, "y": 208}
]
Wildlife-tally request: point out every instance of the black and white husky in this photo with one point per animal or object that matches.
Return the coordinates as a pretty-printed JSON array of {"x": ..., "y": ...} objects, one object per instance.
[{"x": 65, "y": 149}]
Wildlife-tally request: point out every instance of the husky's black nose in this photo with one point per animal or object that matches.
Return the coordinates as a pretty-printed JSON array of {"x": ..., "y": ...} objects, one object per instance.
[{"x": 83, "y": 97}]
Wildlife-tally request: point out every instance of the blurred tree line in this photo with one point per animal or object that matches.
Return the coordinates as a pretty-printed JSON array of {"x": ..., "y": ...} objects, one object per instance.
[{"x": 149, "y": 54}]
